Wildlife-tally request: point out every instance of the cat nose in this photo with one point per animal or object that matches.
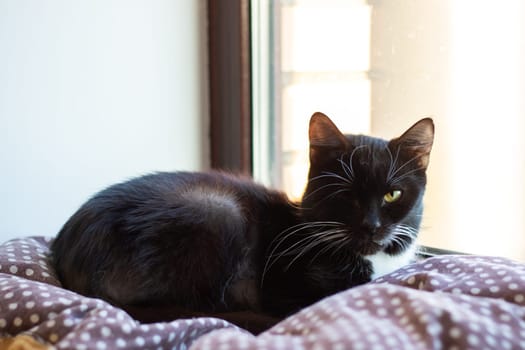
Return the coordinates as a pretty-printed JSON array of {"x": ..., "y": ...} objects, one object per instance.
[{"x": 371, "y": 224}]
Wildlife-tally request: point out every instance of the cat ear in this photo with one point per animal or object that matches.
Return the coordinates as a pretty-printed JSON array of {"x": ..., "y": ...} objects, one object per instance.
[
  {"x": 418, "y": 140},
  {"x": 324, "y": 133},
  {"x": 324, "y": 136}
]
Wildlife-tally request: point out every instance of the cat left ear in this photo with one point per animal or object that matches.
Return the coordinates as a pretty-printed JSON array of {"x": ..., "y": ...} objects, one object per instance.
[
  {"x": 418, "y": 140},
  {"x": 324, "y": 136},
  {"x": 324, "y": 133}
]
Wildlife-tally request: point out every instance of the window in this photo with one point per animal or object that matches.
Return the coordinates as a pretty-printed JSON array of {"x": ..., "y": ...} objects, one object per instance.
[{"x": 377, "y": 67}]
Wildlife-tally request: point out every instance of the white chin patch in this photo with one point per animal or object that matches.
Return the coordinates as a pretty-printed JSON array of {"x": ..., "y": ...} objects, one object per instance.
[{"x": 384, "y": 264}]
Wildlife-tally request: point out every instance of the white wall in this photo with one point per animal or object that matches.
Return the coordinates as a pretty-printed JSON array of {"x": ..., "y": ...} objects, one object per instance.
[{"x": 93, "y": 92}]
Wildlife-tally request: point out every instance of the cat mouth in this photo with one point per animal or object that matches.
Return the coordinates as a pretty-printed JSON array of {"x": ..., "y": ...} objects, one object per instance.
[{"x": 370, "y": 246}]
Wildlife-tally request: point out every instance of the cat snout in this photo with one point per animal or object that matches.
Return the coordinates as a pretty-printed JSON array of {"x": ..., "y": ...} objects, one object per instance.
[{"x": 371, "y": 225}]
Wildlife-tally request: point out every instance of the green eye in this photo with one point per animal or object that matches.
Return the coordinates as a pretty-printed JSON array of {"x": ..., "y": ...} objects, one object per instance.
[{"x": 392, "y": 196}]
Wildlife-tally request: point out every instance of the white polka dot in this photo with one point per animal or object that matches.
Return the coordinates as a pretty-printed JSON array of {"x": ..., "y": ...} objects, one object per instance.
[
  {"x": 140, "y": 341},
  {"x": 53, "y": 337},
  {"x": 382, "y": 312},
  {"x": 399, "y": 311},
  {"x": 34, "y": 318},
  {"x": 377, "y": 301},
  {"x": 126, "y": 328},
  {"x": 506, "y": 344},
  {"x": 474, "y": 327},
  {"x": 359, "y": 303},
  {"x": 105, "y": 331},
  {"x": 395, "y": 301},
  {"x": 519, "y": 298},
  {"x": 457, "y": 291},
  {"x": 485, "y": 311},
  {"x": 3, "y": 323},
  {"x": 12, "y": 306},
  {"x": 475, "y": 291},
  {"x": 454, "y": 332},
  {"x": 513, "y": 286},
  {"x": 404, "y": 320},
  {"x": 494, "y": 289},
  {"x": 505, "y": 317},
  {"x": 9, "y": 295},
  {"x": 13, "y": 269},
  {"x": 424, "y": 318},
  {"x": 51, "y": 323},
  {"x": 65, "y": 301},
  {"x": 101, "y": 345},
  {"x": 434, "y": 328},
  {"x": 30, "y": 272},
  {"x": 490, "y": 340},
  {"x": 157, "y": 339},
  {"x": 473, "y": 340},
  {"x": 121, "y": 343},
  {"x": 85, "y": 336},
  {"x": 411, "y": 280},
  {"x": 27, "y": 293},
  {"x": 17, "y": 322}
]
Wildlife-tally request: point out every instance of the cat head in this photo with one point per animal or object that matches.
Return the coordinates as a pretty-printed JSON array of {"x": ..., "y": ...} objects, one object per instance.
[{"x": 368, "y": 191}]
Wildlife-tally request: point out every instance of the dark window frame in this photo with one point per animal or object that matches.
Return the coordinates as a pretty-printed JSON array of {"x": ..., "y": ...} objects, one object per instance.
[{"x": 229, "y": 58}]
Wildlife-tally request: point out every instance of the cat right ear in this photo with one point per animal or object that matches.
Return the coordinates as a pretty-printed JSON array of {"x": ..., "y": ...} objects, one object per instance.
[
  {"x": 324, "y": 136},
  {"x": 418, "y": 141}
]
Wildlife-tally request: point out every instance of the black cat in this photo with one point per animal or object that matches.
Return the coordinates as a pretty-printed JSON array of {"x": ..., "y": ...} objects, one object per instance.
[{"x": 183, "y": 244}]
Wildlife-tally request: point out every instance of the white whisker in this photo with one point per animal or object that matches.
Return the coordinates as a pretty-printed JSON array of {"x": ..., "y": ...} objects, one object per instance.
[
  {"x": 323, "y": 187},
  {"x": 329, "y": 174},
  {"x": 392, "y": 175},
  {"x": 347, "y": 169},
  {"x": 275, "y": 254},
  {"x": 325, "y": 238}
]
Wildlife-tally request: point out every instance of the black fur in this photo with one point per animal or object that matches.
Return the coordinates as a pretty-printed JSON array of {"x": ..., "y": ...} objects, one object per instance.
[{"x": 215, "y": 243}]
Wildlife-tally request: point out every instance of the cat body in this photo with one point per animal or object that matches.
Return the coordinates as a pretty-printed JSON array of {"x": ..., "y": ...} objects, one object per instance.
[
  {"x": 217, "y": 243},
  {"x": 191, "y": 239}
]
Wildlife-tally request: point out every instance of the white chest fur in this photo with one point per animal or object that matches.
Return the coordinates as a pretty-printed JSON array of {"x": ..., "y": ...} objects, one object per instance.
[{"x": 384, "y": 264}]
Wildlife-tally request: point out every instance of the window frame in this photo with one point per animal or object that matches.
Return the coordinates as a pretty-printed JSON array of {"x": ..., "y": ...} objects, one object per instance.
[{"x": 229, "y": 58}]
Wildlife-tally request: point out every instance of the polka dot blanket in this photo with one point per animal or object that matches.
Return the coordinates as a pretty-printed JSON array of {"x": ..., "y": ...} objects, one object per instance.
[{"x": 445, "y": 302}]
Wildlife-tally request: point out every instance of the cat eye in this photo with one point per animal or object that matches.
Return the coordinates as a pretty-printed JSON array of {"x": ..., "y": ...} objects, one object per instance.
[{"x": 392, "y": 196}]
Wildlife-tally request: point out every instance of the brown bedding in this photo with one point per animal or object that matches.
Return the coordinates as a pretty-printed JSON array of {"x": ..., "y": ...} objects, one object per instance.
[{"x": 445, "y": 302}]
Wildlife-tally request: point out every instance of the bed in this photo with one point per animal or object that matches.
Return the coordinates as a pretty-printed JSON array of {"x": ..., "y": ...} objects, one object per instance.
[{"x": 442, "y": 302}]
